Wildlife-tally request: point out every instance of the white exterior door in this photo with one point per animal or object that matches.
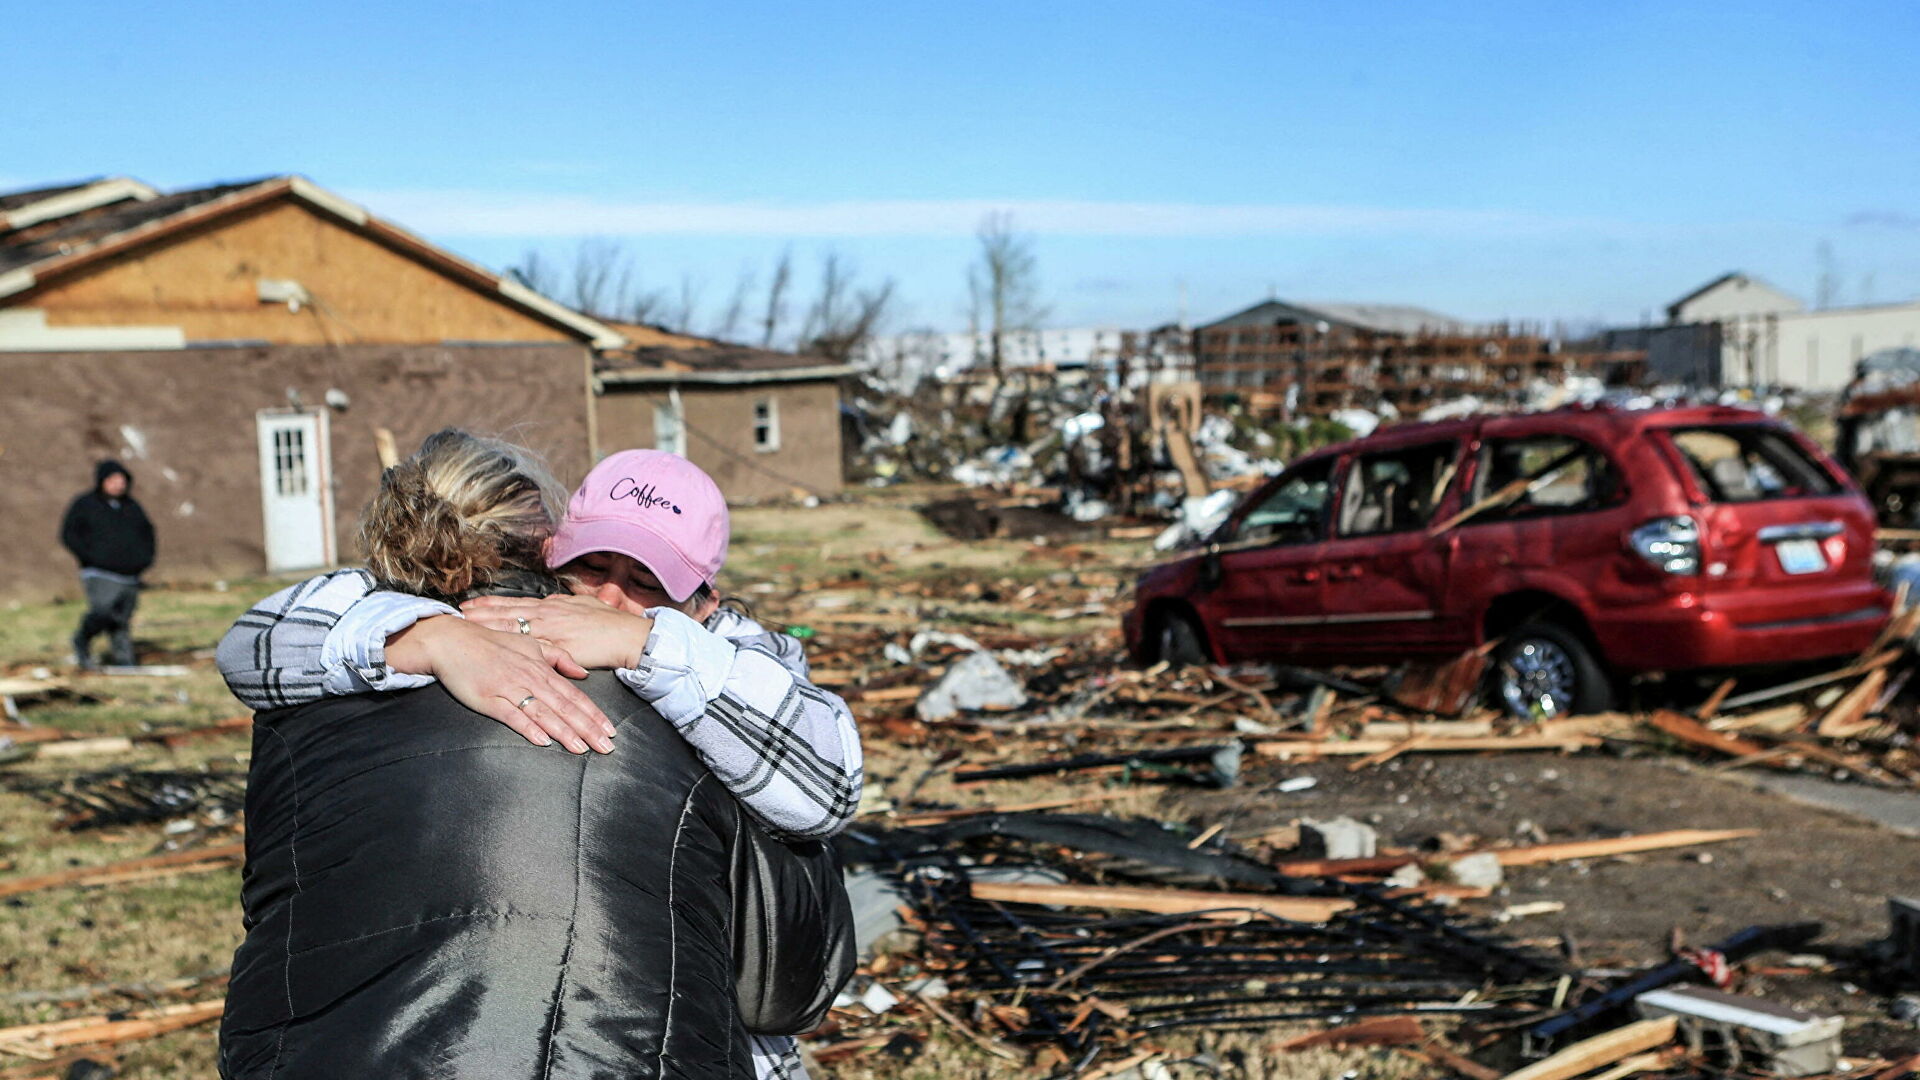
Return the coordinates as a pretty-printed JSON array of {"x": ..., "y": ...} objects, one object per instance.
[{"x": 296, "y": 493}]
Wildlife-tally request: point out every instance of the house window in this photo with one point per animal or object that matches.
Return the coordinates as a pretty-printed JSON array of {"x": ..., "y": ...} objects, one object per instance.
[
  {"x": 669, "y": 428},
  {"x": 766, "y": 424}
]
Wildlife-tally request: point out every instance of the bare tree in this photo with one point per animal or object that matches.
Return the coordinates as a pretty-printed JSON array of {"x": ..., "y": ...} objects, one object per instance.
[
  {"x": 842, "y": 316},
  {"x": 602, "y": 276},
  {"x": 536, "y": 272},
  {"x": 686, "y": 306},
  {"x": 728, "y": 323},
  {"x": 1003, "y": 286},
  {"x": 776, "y": 298}
]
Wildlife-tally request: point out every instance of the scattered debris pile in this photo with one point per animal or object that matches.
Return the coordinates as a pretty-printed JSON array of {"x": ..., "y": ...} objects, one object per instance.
[{"x": 129, "y": 796}]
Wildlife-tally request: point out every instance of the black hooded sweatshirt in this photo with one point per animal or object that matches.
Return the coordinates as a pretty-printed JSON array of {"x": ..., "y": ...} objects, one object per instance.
[{"x": 109, "y": 534}]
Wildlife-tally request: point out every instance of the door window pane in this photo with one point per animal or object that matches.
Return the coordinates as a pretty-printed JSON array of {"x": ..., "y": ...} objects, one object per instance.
[
  {"x": 1294, "y": 512},
  {"x": 1396, "y": 491},
  {"x": 1543, "y": 474},
  {"x": 290, "y": 461}
]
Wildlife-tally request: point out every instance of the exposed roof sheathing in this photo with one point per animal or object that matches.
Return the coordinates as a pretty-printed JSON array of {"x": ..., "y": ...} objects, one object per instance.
[{"x": 65, "y": 245}]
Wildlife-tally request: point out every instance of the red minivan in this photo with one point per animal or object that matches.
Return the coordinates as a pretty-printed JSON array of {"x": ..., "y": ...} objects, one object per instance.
[{"x": 1593, "y": 543}]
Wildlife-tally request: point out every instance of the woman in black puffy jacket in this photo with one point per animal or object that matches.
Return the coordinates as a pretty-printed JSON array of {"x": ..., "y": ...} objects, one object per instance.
[{"x": 428, "y": 895}]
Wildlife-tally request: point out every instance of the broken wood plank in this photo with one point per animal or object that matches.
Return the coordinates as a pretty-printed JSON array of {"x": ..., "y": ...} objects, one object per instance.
[
  {"x": 194, "y": 860},
  {"x": 1532, "y": 855},
  {"x": 1601, "y": 1050},
  {"x": 1775, "y": 721},
  {"x": 1162, "y": 901},
  {"x": 1712, "y": 705},
  {"x": 104, "y": 744},
  {"x": 1848, "y": 717},
  {"x": 1309, "y": 749},
  {"x": 1879, "y": 660},
  {"x": 44, "y": 1040},
  {"x": 231, "y": 726},
  {"x": 1694, "y": 733},
  {"x": 935, "y": 817},
  {"x": 1377, "y": 1031},
  {"x": 1391, "y": 752}
]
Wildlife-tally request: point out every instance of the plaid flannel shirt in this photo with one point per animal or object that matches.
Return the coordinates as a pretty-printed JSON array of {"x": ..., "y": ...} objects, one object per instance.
[{"x": 739, "y": 694}]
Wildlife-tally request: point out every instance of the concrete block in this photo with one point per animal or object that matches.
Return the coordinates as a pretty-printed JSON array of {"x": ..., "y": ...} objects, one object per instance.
[
  {"x": 1779, "y": 1039},
  {"x": 1341, "y": 838}
]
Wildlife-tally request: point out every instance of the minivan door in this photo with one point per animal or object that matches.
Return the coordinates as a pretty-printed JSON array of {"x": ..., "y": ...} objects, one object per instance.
[
  {"x": 1384, "y": 573},
  {"x": 1267, "y": 601}
]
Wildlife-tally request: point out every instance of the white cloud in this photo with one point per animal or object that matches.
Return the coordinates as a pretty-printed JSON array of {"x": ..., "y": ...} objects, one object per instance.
[{"x": 467, "y": 213}]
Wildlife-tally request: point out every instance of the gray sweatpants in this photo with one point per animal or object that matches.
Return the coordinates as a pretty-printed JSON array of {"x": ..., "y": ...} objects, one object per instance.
[{"x": 110, "y": 607}]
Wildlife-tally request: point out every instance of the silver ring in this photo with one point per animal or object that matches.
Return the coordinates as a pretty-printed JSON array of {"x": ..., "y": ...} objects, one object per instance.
[
  {"x": 525, "y": 626},
  {"x": 524, "y": 702}
]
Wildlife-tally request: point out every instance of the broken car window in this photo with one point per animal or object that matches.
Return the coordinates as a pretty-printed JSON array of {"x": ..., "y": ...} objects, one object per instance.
[
  {"x": 1576, "y": 477},
  {"x": 1293, "y": 512},
  {"x": 1739, "y": 464},
  {"x": 1395, "y": 491}
]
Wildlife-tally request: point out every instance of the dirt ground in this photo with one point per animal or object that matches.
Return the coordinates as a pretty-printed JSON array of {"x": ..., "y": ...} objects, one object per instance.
[{"x": 824, "y": 570}]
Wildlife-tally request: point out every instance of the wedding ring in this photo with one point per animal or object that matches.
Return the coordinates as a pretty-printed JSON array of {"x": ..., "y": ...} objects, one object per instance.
[
  {"x": 525, "y": 626},
  {"x": 524, "y": 702}
]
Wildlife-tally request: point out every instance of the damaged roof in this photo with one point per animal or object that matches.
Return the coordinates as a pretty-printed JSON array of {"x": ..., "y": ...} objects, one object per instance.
[
  {"x": 1378, "y": 318},
  {"x": 50, "y": 233},
  {"x": 712, "y": 362}
]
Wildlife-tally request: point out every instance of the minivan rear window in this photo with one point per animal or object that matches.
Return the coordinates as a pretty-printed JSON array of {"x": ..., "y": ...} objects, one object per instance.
[{"x": 1749, "y": 463}]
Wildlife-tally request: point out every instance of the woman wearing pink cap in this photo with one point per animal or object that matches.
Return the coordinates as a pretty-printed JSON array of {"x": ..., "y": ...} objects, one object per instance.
[{"x": 642, "y": 540}]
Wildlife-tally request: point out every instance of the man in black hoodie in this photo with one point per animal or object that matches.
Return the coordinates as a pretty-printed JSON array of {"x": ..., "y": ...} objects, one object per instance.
[{"x": 108, "y": 532}]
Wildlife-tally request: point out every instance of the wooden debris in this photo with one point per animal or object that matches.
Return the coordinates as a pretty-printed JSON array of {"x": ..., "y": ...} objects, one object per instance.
[
  {"x": 45, "y": 1040},
  {"x": 105, "y": 744},
  {"x": 1310, "y": 749},
  {"x": 1377, "y": 1031},
  {"x": 1600, "y": 1051},
  {"x": 1848, "y": 717},
  {"x": 1712, "y": 705},
  {"x": 1163, "y": 901},
  {"x": 1533, "y": 855},
  {"x": 1694, "y": 733},
  {"x": 193, "y": 861}
]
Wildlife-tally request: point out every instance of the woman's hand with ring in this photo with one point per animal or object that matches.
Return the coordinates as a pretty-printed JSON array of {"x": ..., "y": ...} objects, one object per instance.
[
  {"x": 596, "y": 635},
  {"x": 518, "y": 680}
]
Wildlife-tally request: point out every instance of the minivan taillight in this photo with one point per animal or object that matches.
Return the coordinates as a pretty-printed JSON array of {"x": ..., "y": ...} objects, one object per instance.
[{"x": 1671, "y": 544}]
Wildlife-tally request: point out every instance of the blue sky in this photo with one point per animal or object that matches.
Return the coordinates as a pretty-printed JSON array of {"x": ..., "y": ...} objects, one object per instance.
[{"x": 1518, "y": 160}]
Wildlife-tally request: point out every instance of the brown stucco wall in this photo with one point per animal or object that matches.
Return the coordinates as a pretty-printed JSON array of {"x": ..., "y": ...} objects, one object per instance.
[
  {"x": 720, "y": 434},
  {"x": 183, "y": 421},
  {"x": 206, "y": 283}
]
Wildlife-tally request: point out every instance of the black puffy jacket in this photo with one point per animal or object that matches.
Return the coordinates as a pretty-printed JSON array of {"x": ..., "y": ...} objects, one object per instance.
[{"x": 428, "y": 895}]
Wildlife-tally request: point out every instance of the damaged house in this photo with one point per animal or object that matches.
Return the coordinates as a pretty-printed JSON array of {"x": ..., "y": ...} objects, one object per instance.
[{"x": 245, "y": 348}]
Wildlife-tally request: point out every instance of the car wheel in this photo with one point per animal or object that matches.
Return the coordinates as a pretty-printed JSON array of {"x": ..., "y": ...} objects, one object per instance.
[
  {"x": 1542, "y": 671},
  {"x": 1179, "y": 641}
]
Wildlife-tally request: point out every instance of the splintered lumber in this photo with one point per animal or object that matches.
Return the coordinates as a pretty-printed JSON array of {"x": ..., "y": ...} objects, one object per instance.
[
  {"x": 1379, "y": 1031},
  {"x": 24, "y": 735},
  {"x": 1532, "y": 855},
  {"x": 105, "y": 744},
  {"x": 1287, "y": 749},
  {"x": 1162, "y": 901},
  {"x": 1712, "y": 705},
  {"x": 935, "y": 817},
  {"x": 1412, "y": 742},
  {"x": 170, "y": 739},
  {"x": 1775, "y": 721},
  {"x": 1848, "y": 717},
  {"x": 1600, "y": 1051},
  {"x": 1879, "y": 660},
  {"x": 192, "y": 861},
  {"x": 44, "y": 1040},
  {"x": 1694, "y": 733}
]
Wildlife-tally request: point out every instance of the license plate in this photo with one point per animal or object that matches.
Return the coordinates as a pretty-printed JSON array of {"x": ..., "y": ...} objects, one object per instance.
[{"x": 1801, "y": 556}]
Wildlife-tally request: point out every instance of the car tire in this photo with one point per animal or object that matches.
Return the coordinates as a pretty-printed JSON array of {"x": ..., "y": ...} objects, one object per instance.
[
  {"x": 1543, "y": 670},
  {"x": 1178, "y": 641}
]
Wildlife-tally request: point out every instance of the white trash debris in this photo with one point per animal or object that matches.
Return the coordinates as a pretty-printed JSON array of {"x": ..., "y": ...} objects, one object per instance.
[{"x": 977, "y": 682}]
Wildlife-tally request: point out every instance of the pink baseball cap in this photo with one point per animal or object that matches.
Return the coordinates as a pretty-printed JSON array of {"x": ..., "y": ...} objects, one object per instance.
[{"x": 654, "y": 506}]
